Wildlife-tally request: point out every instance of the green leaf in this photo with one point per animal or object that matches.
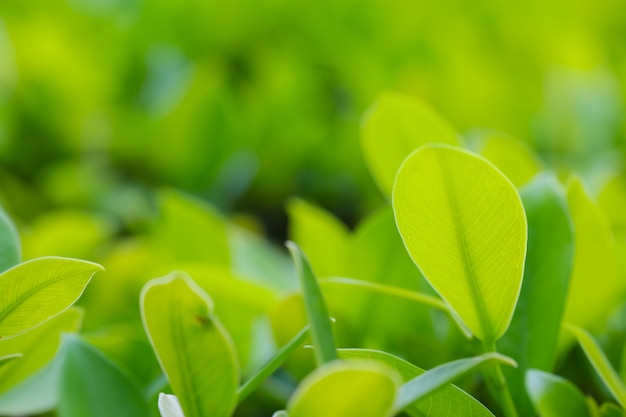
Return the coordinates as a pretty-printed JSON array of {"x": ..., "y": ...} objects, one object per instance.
[
  {"x": 533, "y": 334},
  {"x": 8, "y": 359},
  {"x": 464, "y": 225},
  {"x": 395, "y": 126},
  {"x": 610, "y": 410},
  {"x": 340, "y": 389},
  {"x": 514, "y": 158},
  {"x": 317, "y": 314},
  {"x": 47, "y": 287},
  {"x": 589, "y": 303},
  {"x": 320, "y": 235},
  {"x": 169, "y": 406},
  {"x": 424, "y": 385},
  {"x": 91, "y": 385},
  {"x": 38, "y": 347},
  {"x": 273, "y": 364},
  {"x": 553, "y": 396},
  {"x": 10, "y": 252},
  {"x": 445, "y": 402},
  {"x": 194, "y": 350},
  {"x": 34, "y": 396},
  {"x": 600, "y": 363}
]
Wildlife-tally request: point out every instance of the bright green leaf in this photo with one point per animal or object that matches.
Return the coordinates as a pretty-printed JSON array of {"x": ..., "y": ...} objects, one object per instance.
[
  {"x": 47, "y": 287},
  {"x": 600, "y": 363},
  {"x": 533, "y": 334},
  {"x": 445, "y": 402},
  {"x": 553, "y": 396},
  {"x": 340, "y": 389},
  {"x": 429, "y": 382},
  {"x": 317, "y": 313},
  {"x": 194, "y": 350},
  {"x": 38, "y": 347},
  {"x": 320, "y": 235},
  {"x": 394, "y": 127},
  {"x": 93, "y": 386},
  {"x": 8, "y": 359},
  {"x": 10, "y": 252},
  {"x": 169, "y": 406},
  {"x": 594, "y": 258},
  {"x": 464, "y": 225}
]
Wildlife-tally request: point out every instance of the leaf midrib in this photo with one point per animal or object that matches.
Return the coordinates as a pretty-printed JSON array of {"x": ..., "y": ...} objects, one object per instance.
[{"x": 470, "y": 275}]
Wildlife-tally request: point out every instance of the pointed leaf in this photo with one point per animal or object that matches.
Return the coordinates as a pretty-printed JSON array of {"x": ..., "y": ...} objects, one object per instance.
[
  {"x": 194, "y": 350},
  {"x": 588, "y": 302},
  {"x": 394, "y": 127},
  {"x": 340, "y": 389},
  {"x": 424, "y": 385},
  {"x": 10, "y": 252},
  {"x": 169, "y": 406},
  {"x": 38, "y": 347},
  {"x": 553, "y": 396},
  {"x": 600, "y": 363},
  {"x": 464, "y": 225},
  {"x": 36, "y": 291},
  {"x": 445, "y": 402},
  {"x": 533, "y": 334},
  {"x": 317, "y": 314},
  {"x": 91, "y": 385}
]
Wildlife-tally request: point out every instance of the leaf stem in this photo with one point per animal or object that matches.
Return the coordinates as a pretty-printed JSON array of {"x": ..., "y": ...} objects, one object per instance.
[{"x": 497, "y": 385}]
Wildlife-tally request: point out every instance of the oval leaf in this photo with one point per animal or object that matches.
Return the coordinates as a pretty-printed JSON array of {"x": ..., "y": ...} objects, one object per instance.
[
  {"x": 91, "y": 385},
  {"x": 394, "y": 127},
  {"x": 194, "y": 350},
  {"x": 553, "y": 396},
  {"x": 448, "y": 401},
  {"x": 464, "y": 226},
  {"x": 10, "y": 251},
  {"x": 36, "y": 291},
  {"x": 340, "y": 389}
]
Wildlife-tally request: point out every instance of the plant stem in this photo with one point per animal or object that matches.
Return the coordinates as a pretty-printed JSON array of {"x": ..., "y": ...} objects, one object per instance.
[{"x": 496, "y": 382}]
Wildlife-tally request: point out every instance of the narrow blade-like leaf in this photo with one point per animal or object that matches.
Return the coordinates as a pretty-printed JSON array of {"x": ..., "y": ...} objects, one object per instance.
[
  {"x": 10, "y": 251},
  {"x": 317, "y": 313},
  {"x": 394, "y": 127},
  {"x": 445, "y": 402},
  {"x": 600, "y": 363},
  {"x": 422, "y": 386},
  {"x": 194, "y": 350},
  {"x": 464, "y": 225},
  {"x": 341, "y": 389},
  {"x": 553, "y": 396},
  {"x": 93, "y": 386},
  {"x": 36, "y": 291},
  {"x": 533, "y": 334}
]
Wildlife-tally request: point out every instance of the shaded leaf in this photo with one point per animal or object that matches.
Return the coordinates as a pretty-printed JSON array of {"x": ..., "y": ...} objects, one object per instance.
[
  {"x": 10, "y": 252},
  {"x": 553, "y": 396},
  {"x": 464, "y": 225}
]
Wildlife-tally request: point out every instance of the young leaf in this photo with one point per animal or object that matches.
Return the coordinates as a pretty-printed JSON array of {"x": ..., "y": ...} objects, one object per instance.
[
  {"x": 423, "y": 385},
  {"x": 340, "y": 389},
  {"x": 553, "y": 396},
  {"x": 270, "y": 367},
  {"x": 394, "y": 127},
  {"x": 10, "y": 252},
  {"x": 600, "y": 363},
  {"x": 533, "y": 334},
  {"x": 91, "y": 385},
  {"x": 194, "y": 350},
  {"x": 464, "y": 225},
  {"x": 38, "y": 347},
  {"x": 321, "y": 330},
  {"x": 36, "y": 291},
  {"x": 445, "y": 402},
  {"x": 588, "y": 302},
  {"x": 169, "y": 406},
  {"x": 7, "y": 359}
]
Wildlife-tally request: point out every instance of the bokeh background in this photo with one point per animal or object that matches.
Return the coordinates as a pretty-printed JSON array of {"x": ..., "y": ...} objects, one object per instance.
[{"x": 247, "y": 102}]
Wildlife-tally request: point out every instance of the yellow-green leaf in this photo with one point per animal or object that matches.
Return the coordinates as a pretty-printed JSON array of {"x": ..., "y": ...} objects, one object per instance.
[
  {"x": 395, "y": 126},
  {"x": 340, "y": 389},
  {"x": 464, "y": 225},
  {"x": 10, "y": 252},
  {"x": 36, "y": 291},
  {"x": 195, "y": 352}
]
